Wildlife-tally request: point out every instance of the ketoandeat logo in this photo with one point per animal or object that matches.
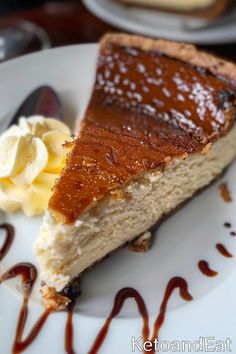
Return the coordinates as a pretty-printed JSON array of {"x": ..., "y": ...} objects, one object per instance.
[{"x": 202, "y": 344}]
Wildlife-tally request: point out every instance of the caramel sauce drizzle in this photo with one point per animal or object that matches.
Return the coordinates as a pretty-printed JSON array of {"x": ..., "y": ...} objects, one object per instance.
[
  {"x": 69, "y": 331},
  {"x": 223, "y": 250},
  {"x": 9, "y": 236},
  {"x": 28, "y": 273},
  {"x": 205, "y": 269},
  {"x": 225, "y": 193},
  {"x": 127, "y": 293}
]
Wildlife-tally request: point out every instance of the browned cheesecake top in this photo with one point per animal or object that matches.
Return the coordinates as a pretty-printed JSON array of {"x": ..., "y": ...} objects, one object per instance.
[{"x": 146, "y": 109}]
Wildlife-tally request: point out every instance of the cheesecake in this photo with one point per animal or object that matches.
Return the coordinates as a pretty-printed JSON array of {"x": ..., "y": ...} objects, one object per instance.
[
  {"x": 203, "y": 8},
  {"x": 160, "y": 126}
]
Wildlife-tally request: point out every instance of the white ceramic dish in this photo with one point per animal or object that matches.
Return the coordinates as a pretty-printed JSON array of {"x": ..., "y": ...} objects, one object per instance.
[
  {"x": 161, "y": 24},
  {"x": 181, "y": 241}
]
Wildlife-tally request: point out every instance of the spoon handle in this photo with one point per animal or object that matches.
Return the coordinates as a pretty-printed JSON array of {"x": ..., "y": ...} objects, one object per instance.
[{"x": 42, "y": 101}]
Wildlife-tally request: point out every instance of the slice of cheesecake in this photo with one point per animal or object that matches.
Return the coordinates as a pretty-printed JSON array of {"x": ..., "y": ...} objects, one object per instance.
[
  {"x": 160, "y": 126},
  {"x": 202, "y": 8}
]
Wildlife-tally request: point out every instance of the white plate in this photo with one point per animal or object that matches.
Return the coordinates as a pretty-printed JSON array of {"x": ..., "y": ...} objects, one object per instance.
[
  {"x": 161, "y": 24},
  {"x": 185, "y": 238}
]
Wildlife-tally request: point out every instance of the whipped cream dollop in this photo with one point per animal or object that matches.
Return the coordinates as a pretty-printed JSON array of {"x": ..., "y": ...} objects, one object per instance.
[{"x": 32, "y": 156}]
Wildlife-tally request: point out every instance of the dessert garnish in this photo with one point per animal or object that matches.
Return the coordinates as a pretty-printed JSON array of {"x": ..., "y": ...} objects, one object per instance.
[{"x": 32, "y": 156}]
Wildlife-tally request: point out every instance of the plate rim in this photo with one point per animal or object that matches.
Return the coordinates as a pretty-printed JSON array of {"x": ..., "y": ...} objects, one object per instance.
[{"x": 199, "y": 38}]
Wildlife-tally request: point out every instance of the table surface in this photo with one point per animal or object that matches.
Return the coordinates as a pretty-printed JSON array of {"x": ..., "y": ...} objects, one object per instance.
[{"x": 71, "y": 23}]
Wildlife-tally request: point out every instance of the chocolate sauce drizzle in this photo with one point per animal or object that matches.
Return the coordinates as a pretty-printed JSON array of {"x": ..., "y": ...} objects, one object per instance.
[
  {"x": 28, "y": 273},
  {"x": 127, "y": 293},
  {"x": 223, "y": 250},
  {"x": 69, "y": 329},
  {"x": 227, "y": 225},
  {"x": 205, "y": 269},
  {"x": 120, "y": 298},
  {"x": 9, "y": 236},
  {"x": 225, "y": 193}
]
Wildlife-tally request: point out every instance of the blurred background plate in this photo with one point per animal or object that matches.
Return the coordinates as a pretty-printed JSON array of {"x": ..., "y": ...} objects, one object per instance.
[{"x": 161, "y": 24}]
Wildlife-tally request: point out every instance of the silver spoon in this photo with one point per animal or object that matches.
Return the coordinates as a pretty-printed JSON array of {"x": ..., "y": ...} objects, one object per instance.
[
  {"x": 42, "y": 101},
  {"x": 19, "y": 37}
]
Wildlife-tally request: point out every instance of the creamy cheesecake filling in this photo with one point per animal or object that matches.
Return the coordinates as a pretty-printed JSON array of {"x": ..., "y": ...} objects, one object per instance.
[
  {"x": 174, "y": 4},
  {"x": 64, "y": 251}
]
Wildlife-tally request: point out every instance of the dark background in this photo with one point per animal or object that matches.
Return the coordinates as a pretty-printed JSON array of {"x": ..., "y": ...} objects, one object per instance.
[
  {"x": 69, "y": 22},
  {"x": 7, "y": 6}
]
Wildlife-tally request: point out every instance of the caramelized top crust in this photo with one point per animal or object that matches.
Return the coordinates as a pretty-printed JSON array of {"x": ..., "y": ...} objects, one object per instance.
[{"x": 146, "y": 108}]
